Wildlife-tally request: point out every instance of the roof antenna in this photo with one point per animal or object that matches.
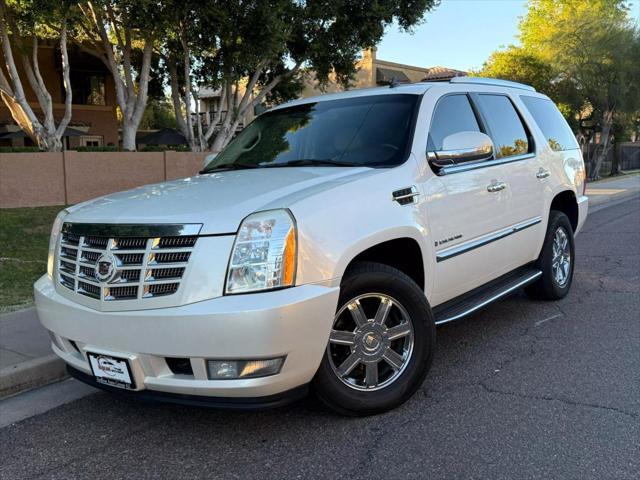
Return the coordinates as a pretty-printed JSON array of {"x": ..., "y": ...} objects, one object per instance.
[{"x": 393, "y": 83}]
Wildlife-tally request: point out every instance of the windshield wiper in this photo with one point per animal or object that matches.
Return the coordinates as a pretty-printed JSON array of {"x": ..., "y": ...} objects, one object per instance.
[
  {"x": 227, "y": 166},
  {"x": 312, "y": 162},
  {"x": 303, "y": 162}
]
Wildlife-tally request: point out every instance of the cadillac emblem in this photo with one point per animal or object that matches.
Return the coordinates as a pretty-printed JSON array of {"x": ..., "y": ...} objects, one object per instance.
[{"x": 105, "y": 269}]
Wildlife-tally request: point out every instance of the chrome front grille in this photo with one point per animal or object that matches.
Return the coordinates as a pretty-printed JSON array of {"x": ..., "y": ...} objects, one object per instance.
[{"x": 137, "y": 267}]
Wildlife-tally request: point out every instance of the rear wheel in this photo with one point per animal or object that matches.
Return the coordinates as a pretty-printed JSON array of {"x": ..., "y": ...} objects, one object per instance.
[
  {"x": 381, "y": 343},
  {"x": 556, "y": 260}
]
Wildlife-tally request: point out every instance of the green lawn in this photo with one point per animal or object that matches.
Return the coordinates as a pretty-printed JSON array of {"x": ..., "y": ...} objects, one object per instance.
[{"x": 24, "y": 240}]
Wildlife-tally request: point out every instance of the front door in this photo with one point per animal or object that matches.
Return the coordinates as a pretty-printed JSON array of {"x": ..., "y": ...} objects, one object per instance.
[
  {"x": 468, "y": 220},
  {"x": 467, "y": 209}
]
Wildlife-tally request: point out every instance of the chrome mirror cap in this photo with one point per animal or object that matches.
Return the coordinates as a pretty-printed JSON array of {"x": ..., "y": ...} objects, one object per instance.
[{"x": 462, "y": 147}]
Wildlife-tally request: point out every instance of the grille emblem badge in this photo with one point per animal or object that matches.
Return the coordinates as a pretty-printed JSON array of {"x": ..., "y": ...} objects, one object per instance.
[{"x": 105, "y": 269}]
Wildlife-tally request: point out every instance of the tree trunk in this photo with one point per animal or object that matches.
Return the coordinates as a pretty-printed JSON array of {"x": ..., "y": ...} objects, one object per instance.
[
  {"x": 225, "y": 133},
  {"x": 175, "y": 96},
  {"x": 186, "y": 65},
  {"x": 129, "y": 136},
  {"x": 18, "y": 114},
  {"x": 615, "y": 162},
  {"x": 600, "y": 154},
  {"x": 44, "y": 133},
  {"x": 66, "y": 81},
  {"x": 223, "y": 137},
  {"x": 131, "y": 97},
  {"x": 200, "y": 146},
  {"x": 49, "y": 142},
  {"x": 12, "y": 89},
  {"x": 237, "y": 112}
]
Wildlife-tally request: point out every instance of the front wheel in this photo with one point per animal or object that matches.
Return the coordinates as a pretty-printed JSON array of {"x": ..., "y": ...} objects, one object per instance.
[
  {"x": 556, "y": 260},
  {"x": 381, "y": 343}
]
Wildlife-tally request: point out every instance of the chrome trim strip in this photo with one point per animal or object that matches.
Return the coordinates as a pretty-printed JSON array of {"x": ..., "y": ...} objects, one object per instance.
[
  {"x": 131, "y": 230},
  {"x": 447, "y": 170},
  {"x": 444, "y": 158},
  {"x": 497, "y": 296},
  {"x": 412, "y": 195},
  {"x": 459, "y": 249},
  {"x": 409, "y": 195},
  {"x": 494, "y": 82}
]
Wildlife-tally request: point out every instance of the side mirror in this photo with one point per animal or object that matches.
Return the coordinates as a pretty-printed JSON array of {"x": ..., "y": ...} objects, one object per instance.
[
  {"x": 462, "y": 147},
  {"x": 208, "y": 159}
]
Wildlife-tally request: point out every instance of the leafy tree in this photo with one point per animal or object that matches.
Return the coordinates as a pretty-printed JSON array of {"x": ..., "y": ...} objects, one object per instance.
[
  {"x": 253, "y": 51},
  {"x": 584, "y": 55},
  {"x": 182, "y": 48},
  {"x": 521, "y": 65},
  {"x": 23, "y": 24},
  {"x": 595, "y": 45},
  {"x": 158, "y": 114},
  {"x": 123, "y": 33}
]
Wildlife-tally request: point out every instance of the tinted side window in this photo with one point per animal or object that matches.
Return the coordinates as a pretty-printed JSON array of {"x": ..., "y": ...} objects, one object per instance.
[
  {"x": 551, "y": 122},
  {"x": 453, "y": 114},
  {"x": 509, "y": 136}
]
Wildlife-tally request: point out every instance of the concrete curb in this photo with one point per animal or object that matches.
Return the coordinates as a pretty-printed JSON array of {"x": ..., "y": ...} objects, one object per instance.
[
  {"x": 603, "y": 202},
  {"x": 31, "y": 374}
]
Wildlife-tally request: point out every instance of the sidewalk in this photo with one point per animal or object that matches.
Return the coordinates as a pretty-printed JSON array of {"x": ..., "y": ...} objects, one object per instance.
[
  {"x": 613, "y": 189},
  {"x": 26, "y": 360}
]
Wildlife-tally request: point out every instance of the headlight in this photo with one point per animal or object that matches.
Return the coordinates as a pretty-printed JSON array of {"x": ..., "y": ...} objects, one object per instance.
[
  {"x": 264, "y": 253},
  {"x": 53, "y": 240}
]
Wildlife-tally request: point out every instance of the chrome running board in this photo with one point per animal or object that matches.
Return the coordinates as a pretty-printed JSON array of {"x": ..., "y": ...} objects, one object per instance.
[{"x": 482, "y": 296}]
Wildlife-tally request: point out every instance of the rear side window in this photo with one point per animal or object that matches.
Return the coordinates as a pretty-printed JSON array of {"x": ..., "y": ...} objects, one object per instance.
[
  {"x": 551, "y": 122},
  {"x": 505, "y": 126},
  {"x": 453, "y": 114}
]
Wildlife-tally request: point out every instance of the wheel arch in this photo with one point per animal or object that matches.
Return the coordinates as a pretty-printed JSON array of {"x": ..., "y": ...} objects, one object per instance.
[
  {"x": 403, "y": 252},
  {"x": 566, "y": 202}
]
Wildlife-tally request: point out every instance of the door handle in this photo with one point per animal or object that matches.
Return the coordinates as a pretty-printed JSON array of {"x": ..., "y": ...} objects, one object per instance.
[
  {"x": 542, "y": 173},
  {"x": 496, "y": 187}
]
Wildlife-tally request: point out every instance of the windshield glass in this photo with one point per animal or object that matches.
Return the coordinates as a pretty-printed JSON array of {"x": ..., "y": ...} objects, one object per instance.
[{"x": 370, "y": 131}]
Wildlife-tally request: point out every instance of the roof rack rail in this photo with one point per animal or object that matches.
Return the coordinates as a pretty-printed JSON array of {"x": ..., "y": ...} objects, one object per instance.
[{"x": 492, "y": 81}]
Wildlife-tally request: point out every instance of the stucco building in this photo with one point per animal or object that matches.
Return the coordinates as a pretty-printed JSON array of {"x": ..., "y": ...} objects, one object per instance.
[{"x": 93, "y": 120}]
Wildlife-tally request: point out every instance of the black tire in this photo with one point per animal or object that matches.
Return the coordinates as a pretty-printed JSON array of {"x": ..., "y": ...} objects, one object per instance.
[
  {"x": 373, "y": 278},
  {"x": 547, "y": 286}
]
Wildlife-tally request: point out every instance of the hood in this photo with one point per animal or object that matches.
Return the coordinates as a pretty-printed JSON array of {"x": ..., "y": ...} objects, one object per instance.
[{"x": 218, "y": 200}]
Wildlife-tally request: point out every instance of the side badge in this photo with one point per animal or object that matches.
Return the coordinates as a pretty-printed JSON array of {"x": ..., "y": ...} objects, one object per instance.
[{"x": 447, "y": 240}]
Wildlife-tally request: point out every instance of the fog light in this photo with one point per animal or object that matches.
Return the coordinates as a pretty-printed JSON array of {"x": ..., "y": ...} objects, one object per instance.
[{"x": 236, "y": 369}]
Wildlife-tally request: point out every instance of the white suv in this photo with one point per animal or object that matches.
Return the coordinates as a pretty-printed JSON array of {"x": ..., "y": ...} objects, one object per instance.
[{"x": 320, "y": 249}]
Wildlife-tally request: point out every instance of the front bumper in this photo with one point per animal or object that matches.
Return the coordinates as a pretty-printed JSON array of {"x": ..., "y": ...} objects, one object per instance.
[
  {"x": 226, "y": 403},
  {"x": 294, "y": 322}
]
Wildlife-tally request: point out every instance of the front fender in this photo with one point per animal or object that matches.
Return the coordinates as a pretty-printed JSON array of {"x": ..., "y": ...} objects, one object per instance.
[{"x": 338, "y": 225}]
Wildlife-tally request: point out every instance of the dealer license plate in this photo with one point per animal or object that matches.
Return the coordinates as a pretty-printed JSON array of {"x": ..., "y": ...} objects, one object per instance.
[{"x": 111, "y": 371}]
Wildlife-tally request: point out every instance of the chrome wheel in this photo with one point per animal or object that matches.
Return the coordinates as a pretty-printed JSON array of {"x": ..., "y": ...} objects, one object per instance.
[
  {"x": 561, "y": 257},
  {"x": 371, "y": 342}
]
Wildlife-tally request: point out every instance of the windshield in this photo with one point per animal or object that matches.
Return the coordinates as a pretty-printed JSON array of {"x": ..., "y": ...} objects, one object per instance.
[{"x": 371, "y": 131}]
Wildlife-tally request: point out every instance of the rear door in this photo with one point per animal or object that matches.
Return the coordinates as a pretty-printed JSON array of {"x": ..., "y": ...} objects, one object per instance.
[
  {"x": 515, "y": 148},
  {"x": 464, "y": 213}
]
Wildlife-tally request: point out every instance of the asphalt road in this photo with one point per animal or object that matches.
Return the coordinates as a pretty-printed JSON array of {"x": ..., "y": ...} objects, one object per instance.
[{"x": 522, "y": 390}]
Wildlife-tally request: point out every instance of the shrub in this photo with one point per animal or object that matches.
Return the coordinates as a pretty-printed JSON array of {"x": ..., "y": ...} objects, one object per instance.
[
  {"x": 104, "y": 148},
  {"x": 164, "y": 148},
  {"x": 19, "y": 149}
]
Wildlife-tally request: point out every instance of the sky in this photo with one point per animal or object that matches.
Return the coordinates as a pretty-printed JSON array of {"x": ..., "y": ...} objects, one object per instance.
[{"x": 460, "y": 34}]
